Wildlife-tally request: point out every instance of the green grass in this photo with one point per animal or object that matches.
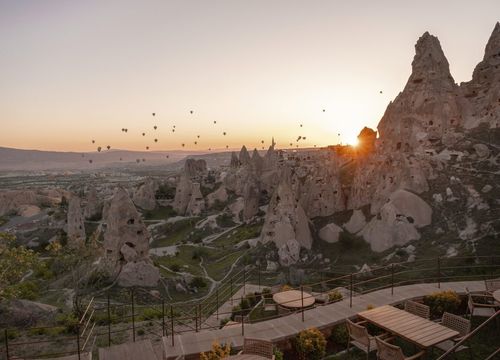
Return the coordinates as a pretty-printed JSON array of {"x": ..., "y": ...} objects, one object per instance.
[
  {"x": 237, "y": 235},
  {"x": 3, "y": 220},
  {"x": 175, "y": 233},
  {"x": 160, "y": 213},
  {"x": 184, "y": 259},
  {"x": 218, "y": 266}
]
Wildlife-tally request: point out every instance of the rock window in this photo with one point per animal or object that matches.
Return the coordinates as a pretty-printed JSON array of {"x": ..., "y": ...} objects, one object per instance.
[{"x": 131, "y": 221}]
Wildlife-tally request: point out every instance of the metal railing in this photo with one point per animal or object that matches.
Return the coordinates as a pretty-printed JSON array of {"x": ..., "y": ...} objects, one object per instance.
[{"x": 146, "y": 315}]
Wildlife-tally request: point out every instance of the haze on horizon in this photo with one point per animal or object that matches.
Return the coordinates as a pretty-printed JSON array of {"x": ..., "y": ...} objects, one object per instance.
[{"x": 73, "y": 71}]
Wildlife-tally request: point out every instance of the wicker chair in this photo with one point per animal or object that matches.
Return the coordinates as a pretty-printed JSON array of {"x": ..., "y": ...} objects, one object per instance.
[
  {"x": 386, "y": 351},
  {"x": 492, "y": 285},
  {"x": 418, "y": 309},
  {"x": 479, "y": 309},
  {"x": 360, "y": 338},
  {"x": 258, "y": 347},
  {"x": 456, "y": 323}
]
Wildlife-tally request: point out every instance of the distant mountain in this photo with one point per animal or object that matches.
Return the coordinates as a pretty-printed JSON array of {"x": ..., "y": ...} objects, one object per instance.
[{"x": 35, "y": 160}]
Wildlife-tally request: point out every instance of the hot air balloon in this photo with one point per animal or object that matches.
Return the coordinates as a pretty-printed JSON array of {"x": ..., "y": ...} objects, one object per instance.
[
  {"x": 155, "y": 127},
  {"x": 156, "y": 140},
  {"x": 99, "y": 148},
  {"x": 143, "y": 134},
  {"x": 227, "y": 146},
  {"x": 173, "y": 130},
  {"x": 167, "y": 156},
  {"x": 380, "y": 92},
  {"x": 126, "y": 130},
  {"x": 198, "y": 136},
  {"x": 196, "y": 142},
  {"x": 209, "y": 149},
  {"x": 108, "y": 147},
  {"x": 191, "y": 111},
  {"x": 143, "y": 160},
  {"x": 291, "y": 144},
  {"x": 183, "y": 145},
  {"x": 90, "y": 161},
  {"x": 138, "y": 160},
  {"x": 147, "y": 147},
  {"x": 120, "y": 159},
  {"x": 93, "y": 141},
  {"x": 224, "y": 133},
  {"x": 323, "y": 110},
  {"x": 154, "y": 114},
  {"x": 215, "y": 122},
  {"x": 300, "y": 125}
]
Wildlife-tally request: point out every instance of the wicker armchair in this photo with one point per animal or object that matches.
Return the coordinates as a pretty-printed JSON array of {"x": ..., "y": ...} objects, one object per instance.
[
  {"x": 418, "y": 309},
  {"x": 479, "y": 309},
  {"x": 456, "y": 323},
  {"x": 388, "y": 351},
  {"x": 258, "y": 347},
  {"x": 492, "y": 285},
  {"x": 360, "y": 338}
]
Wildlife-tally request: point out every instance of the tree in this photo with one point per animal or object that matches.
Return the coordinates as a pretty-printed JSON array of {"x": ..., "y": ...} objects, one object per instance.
[{"x": 15, "y": 262}]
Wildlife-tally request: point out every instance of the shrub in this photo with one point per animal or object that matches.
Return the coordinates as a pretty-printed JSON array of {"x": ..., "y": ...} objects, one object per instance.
[
  {"x": 223, "y": 322},
  {"x": 266, "y": 293},
  {"x": 69, "y": 321},
  {"x": 286, "y": 287},
  {"x": 244, "y": 304},
  {"x": 198, "y": 282},
  {"x": 340, "y": 335},
  {"x": 175, "y": 267},
  {"x": 140, "y": 332},
  {"x": 225, "y": 220},
  {"x": 150, "y": 314},
  {"x": 334, "y": 295},
  {"x": 278, "y": 354},
  {"x": 218, "y": 352},
  {"x": 443, "y": 301},
  {"x": 310, "y": 344}
]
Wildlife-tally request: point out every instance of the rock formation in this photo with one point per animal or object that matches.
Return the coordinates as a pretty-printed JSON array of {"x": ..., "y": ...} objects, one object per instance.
[
  {"x": 196, "y": 203},
  {"x": 286, "y": 225},
  {"x": 483, "y": 91},
  {"x": 76, "y": 226},
  {"x": 195, "y": 168},
  {"x": 398, "y": 221},
  {"x": 126, "y": 243},
  {"x": 220, "y": 195},
  {"x": 183, "y": 193},
  {"x": 145, "y": 196},
  {"x": 251, "y": 196},
  {"x": 93, "y": 207},
  {"x": 431, "y": 106}
]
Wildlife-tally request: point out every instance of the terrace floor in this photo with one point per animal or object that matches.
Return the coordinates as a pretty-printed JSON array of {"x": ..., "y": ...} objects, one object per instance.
[{"x": 189, "y": 345}]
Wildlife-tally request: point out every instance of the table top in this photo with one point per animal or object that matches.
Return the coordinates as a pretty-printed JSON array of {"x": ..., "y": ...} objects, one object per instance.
[
  {"x": 496, "y": 295},
  {"x": 422, "y": 332},
  {"x": 293, "y": 299}
]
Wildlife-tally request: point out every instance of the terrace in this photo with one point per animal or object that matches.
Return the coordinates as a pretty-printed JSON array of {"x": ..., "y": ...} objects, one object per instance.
[{"x": 182, "y": 331}]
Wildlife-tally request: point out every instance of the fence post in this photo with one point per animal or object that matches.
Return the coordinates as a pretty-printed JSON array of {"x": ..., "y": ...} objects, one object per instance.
[
  {"x": 350, "y": 291},
  {"x": 199, "y": 314},
  {"x": 217, "y": 303},
  {"x": 242, "y": 325},
  {"x": 392, "y": 278},
  {"x": 109, "y": 323},
  {"x": 231, "y": 284},
  {"x": 163, "y": 316},
  {"x": 302, "y": 299},
  {"x": 78, "y": 339},
  {"x": 133, "y": 314},
  {"x": 196, "y": 319},
  {"x": 6, "y": 344},
  {"x": 172, "y": 323},
  {"x": 258, "y": 278},
  {"x": 439, "y": 272},
  {"x": 244, "y": 281}
]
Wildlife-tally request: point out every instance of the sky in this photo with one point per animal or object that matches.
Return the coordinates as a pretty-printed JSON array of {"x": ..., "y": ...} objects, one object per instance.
[{"x": 76, "y": 71}]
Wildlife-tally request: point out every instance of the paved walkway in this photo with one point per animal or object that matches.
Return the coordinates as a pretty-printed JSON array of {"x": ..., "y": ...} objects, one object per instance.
[{"x": 189, "y": 345}]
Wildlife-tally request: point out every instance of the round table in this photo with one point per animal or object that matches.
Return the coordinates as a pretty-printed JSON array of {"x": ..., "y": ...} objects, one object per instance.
[
  {"x": 496, "y": 295},
  {"x": 292, "y": 299}
]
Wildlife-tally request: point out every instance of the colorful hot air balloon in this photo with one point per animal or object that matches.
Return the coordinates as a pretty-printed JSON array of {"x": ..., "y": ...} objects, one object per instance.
[{"x": 99, "y": 148}]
